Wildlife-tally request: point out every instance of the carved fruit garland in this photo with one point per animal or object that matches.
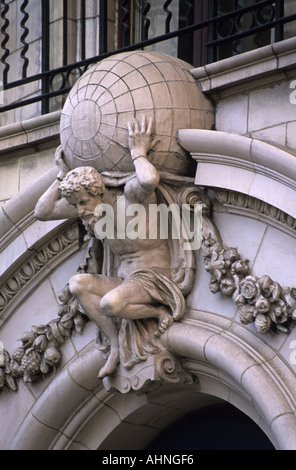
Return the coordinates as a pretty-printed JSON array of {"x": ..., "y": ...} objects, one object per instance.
[
  {"x": 40, "y": 351},
  {"x": 259, "y": 300}
]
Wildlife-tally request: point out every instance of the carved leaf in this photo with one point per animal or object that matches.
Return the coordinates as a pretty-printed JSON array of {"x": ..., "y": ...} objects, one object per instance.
[
  {"x": 11, "y": 383},
  {"x": 65, "y": 295},
  {"x": 41, "y": 343},
  {"x": 27, "y": 338},
  {"x": 79, "y": 323},
  {"x": 2, "y": 378},
  {"x": 40, "y": 330}
]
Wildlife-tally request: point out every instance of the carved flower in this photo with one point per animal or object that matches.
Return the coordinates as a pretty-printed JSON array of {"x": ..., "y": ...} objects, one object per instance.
[
  {"x": 227, "y": 286},
  {"x": 215, "y": 265},
  {"x": 230, "y": 256},
  {"x": 214, "y": 286},
  {"x": 280, "y": 312},
  {"x": 240, "y": 267},
  {"x": 216, "y": 261},
  {"x": 270, "y": 288},
  {"x": 210, "y": 244},
  {"x": 250, "y": 288},
  {"x": 52, "y": 356},
  {"x": 262, "y": 305}
]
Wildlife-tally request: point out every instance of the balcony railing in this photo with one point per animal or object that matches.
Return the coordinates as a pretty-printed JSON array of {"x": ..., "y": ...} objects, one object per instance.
[{"x": 212, "y": 32}]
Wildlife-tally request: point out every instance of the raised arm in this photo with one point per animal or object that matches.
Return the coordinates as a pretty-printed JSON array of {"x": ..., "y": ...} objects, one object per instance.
[
  {"x": 147, "y": 177},
  {"x": 51, "y": 206}
]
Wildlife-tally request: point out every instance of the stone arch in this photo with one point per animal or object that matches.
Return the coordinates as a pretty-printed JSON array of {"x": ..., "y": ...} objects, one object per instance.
[
  {"x": 229, "y": 361},
  {"x": 243, "y": 164},
  {"x": 224, "y": 355},
  {"x": 70, "y": 412}
]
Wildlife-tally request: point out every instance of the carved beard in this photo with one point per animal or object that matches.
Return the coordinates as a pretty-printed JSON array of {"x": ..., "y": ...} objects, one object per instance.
[{"x": 89, "y": 223}]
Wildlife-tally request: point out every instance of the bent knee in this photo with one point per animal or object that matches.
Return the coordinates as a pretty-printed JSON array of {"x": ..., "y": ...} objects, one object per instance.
[
  {"x": 111, "y": 304},
  {"x": 78, "y": 284}
]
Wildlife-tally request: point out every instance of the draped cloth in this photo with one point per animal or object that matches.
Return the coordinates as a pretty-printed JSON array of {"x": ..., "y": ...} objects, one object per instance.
[{"x": 137, "y": 338}]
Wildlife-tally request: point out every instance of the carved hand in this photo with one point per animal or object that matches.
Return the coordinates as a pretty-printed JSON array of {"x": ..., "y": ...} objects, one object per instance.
[
  {"x": 60, "y": 163},
  {"x": 140, "y": 138}
]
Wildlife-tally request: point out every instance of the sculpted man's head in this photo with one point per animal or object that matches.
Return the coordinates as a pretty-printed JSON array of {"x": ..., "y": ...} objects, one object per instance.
[
  {"x": 82, "y": 177},
  {"x": 84, "y": 187}
]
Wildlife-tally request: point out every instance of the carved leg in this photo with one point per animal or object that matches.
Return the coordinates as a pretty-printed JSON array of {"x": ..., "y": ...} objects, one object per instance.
[
  {"x": 89, "y": 290},
  {"x": 133, "y": 302}
]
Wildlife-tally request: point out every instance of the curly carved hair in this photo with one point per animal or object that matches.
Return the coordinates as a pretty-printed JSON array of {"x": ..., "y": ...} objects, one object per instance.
[{"x": 84, "y": 176}]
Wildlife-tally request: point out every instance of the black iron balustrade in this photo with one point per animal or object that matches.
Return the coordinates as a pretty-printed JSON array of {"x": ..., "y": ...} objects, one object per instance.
[
  {"x": 24, "y": 35},
  {"x": 4, "y": 11},
  {"x": 222, "y": 28},
  {"x": 125, "y": 22},
  {"x": 45, "y": 59},
  {"x": 146, "y": 20},
  {"x": 169, "y": 15},
  {"x": 244, "y": 22}
]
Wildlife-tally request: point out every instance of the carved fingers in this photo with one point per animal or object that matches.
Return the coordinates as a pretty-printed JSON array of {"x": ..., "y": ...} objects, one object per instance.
[
  {"x": 140, "y": 137},
  {"x": 60, "y": 163}
]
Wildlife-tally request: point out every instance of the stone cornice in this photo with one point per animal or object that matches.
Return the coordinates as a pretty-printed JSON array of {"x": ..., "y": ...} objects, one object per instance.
[
  {"x": 243, "y": 164},
  {"x": 226, "y": 76},
  {"x": 29, "y": 133}
]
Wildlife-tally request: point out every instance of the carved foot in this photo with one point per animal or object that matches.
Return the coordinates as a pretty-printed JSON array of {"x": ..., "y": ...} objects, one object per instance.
[
  {"x": 111, "y": 364},
  {"x": 165, "y": 321}
]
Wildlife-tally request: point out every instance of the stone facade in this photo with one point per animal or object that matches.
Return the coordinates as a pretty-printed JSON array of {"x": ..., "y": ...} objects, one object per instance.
[
  {"x": 254, "y": 93},
  {"x": 31, "y": 18},
  {"x": 27, "y": 151},
  {"x": 247, "y": 165}
]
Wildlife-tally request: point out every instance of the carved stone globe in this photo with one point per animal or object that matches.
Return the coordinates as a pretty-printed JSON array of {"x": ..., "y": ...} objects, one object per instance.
[{"x": 122, "y": 88}]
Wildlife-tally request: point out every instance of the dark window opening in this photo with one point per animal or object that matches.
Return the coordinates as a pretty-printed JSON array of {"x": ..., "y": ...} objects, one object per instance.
[{"x": 217, "y": 427}]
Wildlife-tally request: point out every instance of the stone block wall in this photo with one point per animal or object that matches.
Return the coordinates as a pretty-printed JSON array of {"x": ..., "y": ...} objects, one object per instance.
[
  {"x": 266, "y": 113},
  {"x": 254, "y": 93},
  {"x": 26, "y": 152}
]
